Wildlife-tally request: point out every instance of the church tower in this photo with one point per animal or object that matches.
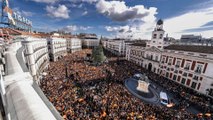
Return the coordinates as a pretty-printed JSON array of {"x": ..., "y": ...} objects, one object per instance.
[{"x": 157, "y": 36}]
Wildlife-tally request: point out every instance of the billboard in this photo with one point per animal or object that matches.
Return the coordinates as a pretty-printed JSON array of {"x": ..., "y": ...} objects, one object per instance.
[
  {"x": 19, "y": 18},
  {"x": 8, "y": 11},
  {"x": 14, "y": 19}
]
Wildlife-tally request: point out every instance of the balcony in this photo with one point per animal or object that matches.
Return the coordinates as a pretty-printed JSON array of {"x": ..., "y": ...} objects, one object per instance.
[
  {"x": 198, "y": 71},
  {"x": 195, "y": 78},
  {"x": 177, "y": 66},
  {"x": 176, "y": 71},
  {"x": 185, "y": 74},
  {"x": 149, "y": 58},
  {"x": 186, "y": 68}
]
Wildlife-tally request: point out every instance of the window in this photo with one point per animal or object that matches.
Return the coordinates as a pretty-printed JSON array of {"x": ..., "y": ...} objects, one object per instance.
[
  {"x": 156, "y": 58},
  {"x": 187, "y": 66},
  {"x": 177, "y": 64},
  {"x": 183, "y": 80},
  {"x": 151, "y": 57},
  {"x": 195, "y": 77},
  {"x": 167, "y": 74},
  {"x": 161, "y": 36},
  {"x": 185, "y": 74},
  {"x": 153, "y": 41},
  {"x": 155, "y": 36},
  {"x": 193, "y": 85},
  {"x": 170, "y": 62},
  {"x": 198, "y": 69},
  {"x": 174, "y": 77},
  {"x": 163, "y": 60}
]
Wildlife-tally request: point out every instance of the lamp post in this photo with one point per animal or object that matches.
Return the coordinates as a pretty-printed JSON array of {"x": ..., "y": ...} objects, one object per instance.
[{"x": 66, "y": 70}]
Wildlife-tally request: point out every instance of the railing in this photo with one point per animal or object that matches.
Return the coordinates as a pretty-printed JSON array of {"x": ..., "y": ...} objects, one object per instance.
[
  {"x": 198, "y": 71},
  {"x": 185, "y": 74},
  {"x": 195, "y": 78},
  {"x": 186, "y": 68}
]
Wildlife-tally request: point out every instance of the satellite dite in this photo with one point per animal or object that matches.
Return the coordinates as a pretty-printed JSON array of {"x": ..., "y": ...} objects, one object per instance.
[{"x": 13, "y": 19}]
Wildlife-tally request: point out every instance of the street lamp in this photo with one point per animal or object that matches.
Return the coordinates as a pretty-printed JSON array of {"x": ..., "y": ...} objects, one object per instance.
[{"x": 66, "y": 70}]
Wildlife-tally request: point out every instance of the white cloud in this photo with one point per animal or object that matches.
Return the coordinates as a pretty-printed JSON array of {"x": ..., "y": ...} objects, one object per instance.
[
  {"x": 133, "y": 31},
  {"x": 26, "y": 13},
  {"x": 84, "y": 13},
  {"x": 58, "y": 12},
  {"x": 140, "y": 20},
  {"x": 23, "y": 12},
  {"x": 182, "y": 24},
  {"x": 88, "y": 1},
  {"x": 45, "y": 1},
  {"x": 73, "y": 28},
  {"x": 118, "y": 11}
]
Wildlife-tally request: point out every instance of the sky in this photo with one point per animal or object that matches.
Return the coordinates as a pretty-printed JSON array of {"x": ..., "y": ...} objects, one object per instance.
[{"x": 119, "y": 18}]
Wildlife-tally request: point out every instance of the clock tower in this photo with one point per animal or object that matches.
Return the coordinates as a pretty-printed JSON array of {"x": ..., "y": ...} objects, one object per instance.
[{"x": 157, "y": 36}]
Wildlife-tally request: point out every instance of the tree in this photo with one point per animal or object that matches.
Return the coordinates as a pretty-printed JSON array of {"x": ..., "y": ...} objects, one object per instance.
[{"x": 98, "y": 56}]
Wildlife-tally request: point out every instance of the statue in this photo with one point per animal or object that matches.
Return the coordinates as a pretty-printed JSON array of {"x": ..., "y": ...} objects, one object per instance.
[{"x": 143, "y": 84}]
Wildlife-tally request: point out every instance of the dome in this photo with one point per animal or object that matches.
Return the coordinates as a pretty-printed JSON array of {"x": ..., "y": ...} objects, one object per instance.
[{"x": 160, "y": 22}]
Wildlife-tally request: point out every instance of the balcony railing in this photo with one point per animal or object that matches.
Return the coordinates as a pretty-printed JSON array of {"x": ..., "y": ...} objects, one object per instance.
[
  {"x": 177, "y": 66},
  {"x": 195, "y": 78},
  {"x": 198, "y": 71},
  {"x": 169, "y": 63},
  {"x": 185, "y": 74},
  {"x": 186, "y": 68}
]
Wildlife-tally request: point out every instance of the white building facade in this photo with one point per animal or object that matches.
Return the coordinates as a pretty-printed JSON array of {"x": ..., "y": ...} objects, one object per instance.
[
  {"x": 36, "y": 56},
  {"x": 188, "y": 65},
  {"x": 57, "y": 48},
  {"x": 157, "y": 36},
  {"x": 90, "y": 41},
  {"x": 73, "y": 45}
]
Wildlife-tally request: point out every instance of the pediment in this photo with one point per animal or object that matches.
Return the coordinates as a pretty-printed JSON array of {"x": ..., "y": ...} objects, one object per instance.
[{"x": 153, "y": 49}]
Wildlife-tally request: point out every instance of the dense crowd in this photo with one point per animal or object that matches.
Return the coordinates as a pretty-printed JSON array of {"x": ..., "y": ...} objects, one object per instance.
[
  {"x": 98, "y": 92},
  {"x": 184, "y": 95}
]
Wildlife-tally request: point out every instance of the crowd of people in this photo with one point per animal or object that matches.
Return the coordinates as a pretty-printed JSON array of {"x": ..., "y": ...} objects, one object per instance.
[{"x": 98, "y": 92}]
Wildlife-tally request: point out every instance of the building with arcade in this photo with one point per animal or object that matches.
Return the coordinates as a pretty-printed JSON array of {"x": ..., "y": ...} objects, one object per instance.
[
  {"x": 36, "y": 56},
  {"x": 57, "y": 48}
]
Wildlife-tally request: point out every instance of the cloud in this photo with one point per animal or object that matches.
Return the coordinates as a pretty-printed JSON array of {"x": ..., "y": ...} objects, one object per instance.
[
  {"x": 26, "y": 13},
  {"x": 45, "y": 1},
  {"x": 118, "y": 11},
  {"x": 139, "y": 21},
  {"x": 73, "y": 28},
  {"x": 58, "y": 12},
  {"x": 132, "y": 31},
  {"x": 192, "y": 22},
  {"x": 88, "y": 1},
  {"x": 84, "y": 13},
  {"x": 23, "y": 13}
]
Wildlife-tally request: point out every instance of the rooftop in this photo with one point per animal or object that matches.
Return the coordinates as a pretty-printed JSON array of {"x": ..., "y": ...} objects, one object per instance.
[
  {"x": 191, "y": 48},
  {"x": 142, "y": 44}
]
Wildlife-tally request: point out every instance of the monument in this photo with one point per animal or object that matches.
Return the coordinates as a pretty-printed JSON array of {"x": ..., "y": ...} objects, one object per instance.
[{"x": 143, "y": 84}]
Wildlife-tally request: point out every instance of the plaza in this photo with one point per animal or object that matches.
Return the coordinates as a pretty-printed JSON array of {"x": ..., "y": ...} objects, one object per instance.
[{"x": 92, "y": 92}]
